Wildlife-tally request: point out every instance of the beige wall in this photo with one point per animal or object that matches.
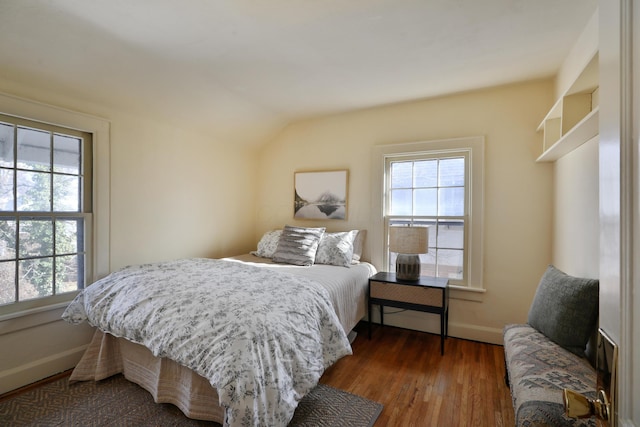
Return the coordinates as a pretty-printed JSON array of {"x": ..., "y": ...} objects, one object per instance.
[
  {"x": 518, "y": 191},
  {"x": 576, "y": 249},
  {"x": 173, "y": 194},
  {"x": 576, "y": 242},
  {"x": 177, "y": 195}
]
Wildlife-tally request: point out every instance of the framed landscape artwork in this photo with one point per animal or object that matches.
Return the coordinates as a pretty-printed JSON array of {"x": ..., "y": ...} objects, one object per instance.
[{"x": 320, "y": 195}]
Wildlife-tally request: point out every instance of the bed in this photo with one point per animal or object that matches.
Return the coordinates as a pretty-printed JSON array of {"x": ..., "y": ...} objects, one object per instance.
[{"x": 254, "y": 375}]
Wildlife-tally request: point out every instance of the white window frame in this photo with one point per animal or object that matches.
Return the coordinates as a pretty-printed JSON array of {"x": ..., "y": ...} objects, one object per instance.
[
  {"x": 100, "y": 130},
  {"x": 474, "y": 146}
]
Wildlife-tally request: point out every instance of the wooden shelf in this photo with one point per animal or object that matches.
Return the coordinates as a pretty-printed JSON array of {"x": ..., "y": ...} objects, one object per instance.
[
  {"x": 573, "y": 119},
  {"x": 582, "y": 132}
]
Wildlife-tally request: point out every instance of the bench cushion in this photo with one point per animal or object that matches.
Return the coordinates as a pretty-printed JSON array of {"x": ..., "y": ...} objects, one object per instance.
[{"x": 538, "y": 370}]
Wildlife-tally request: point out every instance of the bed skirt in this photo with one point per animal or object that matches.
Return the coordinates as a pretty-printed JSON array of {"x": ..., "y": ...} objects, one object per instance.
[{"x": 166, "y": 380}]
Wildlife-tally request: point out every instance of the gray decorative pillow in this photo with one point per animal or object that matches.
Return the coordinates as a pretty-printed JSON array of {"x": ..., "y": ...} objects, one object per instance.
[
  {"x": 268, "y": 244},
  {"x": 298, "y": 245},
  {"x": 565, "y": 309},
  {"x": 336, "y": 248}
]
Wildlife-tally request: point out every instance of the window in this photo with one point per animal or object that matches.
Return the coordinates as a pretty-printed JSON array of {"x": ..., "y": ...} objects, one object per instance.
[
  {"x": 429, "y": 190},
  {"x": 436, "y": 184},
  {"x": 45, "y": 210}
]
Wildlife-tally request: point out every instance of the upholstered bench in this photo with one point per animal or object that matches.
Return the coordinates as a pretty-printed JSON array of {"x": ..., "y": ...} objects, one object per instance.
[{"x": 549, "y": 353}]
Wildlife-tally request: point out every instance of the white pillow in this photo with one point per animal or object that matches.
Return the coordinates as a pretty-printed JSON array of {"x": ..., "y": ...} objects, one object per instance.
[
  {"x": 336, "y": 248},
  {"x": 268, "y": 244},
  {"x": 358, "y": 245}
]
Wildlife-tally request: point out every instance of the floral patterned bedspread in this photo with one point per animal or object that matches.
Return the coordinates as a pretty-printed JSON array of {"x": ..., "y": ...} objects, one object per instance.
[{"x": 261, "y": 338}]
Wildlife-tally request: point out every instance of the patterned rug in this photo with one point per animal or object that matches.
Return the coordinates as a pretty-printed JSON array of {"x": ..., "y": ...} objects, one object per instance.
[{"x": 118, "y": 402}]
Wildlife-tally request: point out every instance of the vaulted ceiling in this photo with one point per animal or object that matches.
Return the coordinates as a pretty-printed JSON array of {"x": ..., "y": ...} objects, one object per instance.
[{"x": 241, "y": 69}]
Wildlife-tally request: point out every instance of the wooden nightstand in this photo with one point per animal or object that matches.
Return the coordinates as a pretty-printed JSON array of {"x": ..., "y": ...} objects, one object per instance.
[{"x": 429, "y": 294}]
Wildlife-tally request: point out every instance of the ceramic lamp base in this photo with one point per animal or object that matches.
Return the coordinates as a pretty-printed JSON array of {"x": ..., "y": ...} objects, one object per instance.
[{"x": 408, "y": 267}]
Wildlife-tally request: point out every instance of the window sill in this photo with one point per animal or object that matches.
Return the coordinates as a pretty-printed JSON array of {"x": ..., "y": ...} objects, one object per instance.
[
  {"x": 19, "y": 320},
  {"x": 466, "y": 293}
]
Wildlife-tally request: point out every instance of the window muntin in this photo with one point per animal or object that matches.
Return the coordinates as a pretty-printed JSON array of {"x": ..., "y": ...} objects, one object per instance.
[
  {"x": 430, "y": 189},
  {"x": 45, "y": 210}
]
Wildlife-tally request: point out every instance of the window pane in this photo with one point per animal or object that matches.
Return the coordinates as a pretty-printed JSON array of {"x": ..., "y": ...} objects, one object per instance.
[
  {"x": 401, "y": 202},
  {"x": 34, "y": 149},
  {"x": 6, "y": 145},
  {"x": 428, "y": 263},
  {"x": 7, "y": 238},
  {"x": 451, "y": 172},
  {"x": 36, "y": 278},
  {"x": 426, "y": 173},
  {"x": 7, "y": 282},
  {"x": 451, "y": 201},
  {"x": 401, "y": 174},
  {"x": 36, "y": 237},
  {"x": 429, "y": 223},
  {"x": 392, "y": 261},
  {"x": 34, "y": 191},
  {"x": 450, "y": 263},
  {"x": 66, "y": 193},
  {"x": 67, "y": 269},
  {"x": 66, "y": 154},
  {"x": 67, "y": 236},
  {"x": 6, "y": 190},
  {"x": 451, "y": 234},
  {"x": 426, "y": 202}
]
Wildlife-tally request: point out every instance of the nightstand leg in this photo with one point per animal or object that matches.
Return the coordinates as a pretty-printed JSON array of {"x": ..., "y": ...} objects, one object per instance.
[
  {"x": 442, "y": 332},
  {"x": 446, "y": 324},
  {"x": 370, "y": 320},
  {"x": 381, "y": 315}
]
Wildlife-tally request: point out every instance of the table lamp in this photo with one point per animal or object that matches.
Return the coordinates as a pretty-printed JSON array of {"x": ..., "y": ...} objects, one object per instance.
[{"x": 408, "y": 243}]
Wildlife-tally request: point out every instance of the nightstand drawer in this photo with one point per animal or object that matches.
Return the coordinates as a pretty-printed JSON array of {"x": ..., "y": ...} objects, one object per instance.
[{"x": 410, "y": 294}]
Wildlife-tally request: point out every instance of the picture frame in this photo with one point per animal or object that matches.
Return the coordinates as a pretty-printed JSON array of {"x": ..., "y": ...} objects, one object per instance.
[{"x": 320, "y": 195}]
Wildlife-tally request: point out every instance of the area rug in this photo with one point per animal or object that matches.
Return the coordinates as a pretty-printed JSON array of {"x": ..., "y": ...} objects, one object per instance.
[{"x": 118, "y": 402}]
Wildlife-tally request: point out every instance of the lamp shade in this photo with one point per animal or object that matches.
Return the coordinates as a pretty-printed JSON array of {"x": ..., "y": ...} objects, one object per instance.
[{"x": 408, "y": 240}]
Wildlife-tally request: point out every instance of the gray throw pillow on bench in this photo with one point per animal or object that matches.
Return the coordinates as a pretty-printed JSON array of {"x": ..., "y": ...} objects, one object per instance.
[{"x": 565, "y": 309}]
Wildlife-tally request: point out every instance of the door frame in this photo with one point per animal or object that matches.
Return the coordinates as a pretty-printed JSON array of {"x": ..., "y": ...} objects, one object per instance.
[{"x": 619, "y": 192}]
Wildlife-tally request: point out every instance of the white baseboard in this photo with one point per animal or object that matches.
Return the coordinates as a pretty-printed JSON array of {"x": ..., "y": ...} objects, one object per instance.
[
  {"x": 29, "y": 373},
  {"x": 476, "y": 333},
  {"x": 427, "y": 322}
]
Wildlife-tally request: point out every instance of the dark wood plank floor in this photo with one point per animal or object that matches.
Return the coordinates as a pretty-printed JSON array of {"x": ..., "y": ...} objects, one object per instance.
[{"x": 404, "y": 371}]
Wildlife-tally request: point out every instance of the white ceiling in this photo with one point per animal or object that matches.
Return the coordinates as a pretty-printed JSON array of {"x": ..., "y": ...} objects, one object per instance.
[{"x": 241, "y": 69}]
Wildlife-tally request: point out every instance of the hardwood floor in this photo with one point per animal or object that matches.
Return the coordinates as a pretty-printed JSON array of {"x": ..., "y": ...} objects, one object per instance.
[{"x": 404, "y": 371}]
